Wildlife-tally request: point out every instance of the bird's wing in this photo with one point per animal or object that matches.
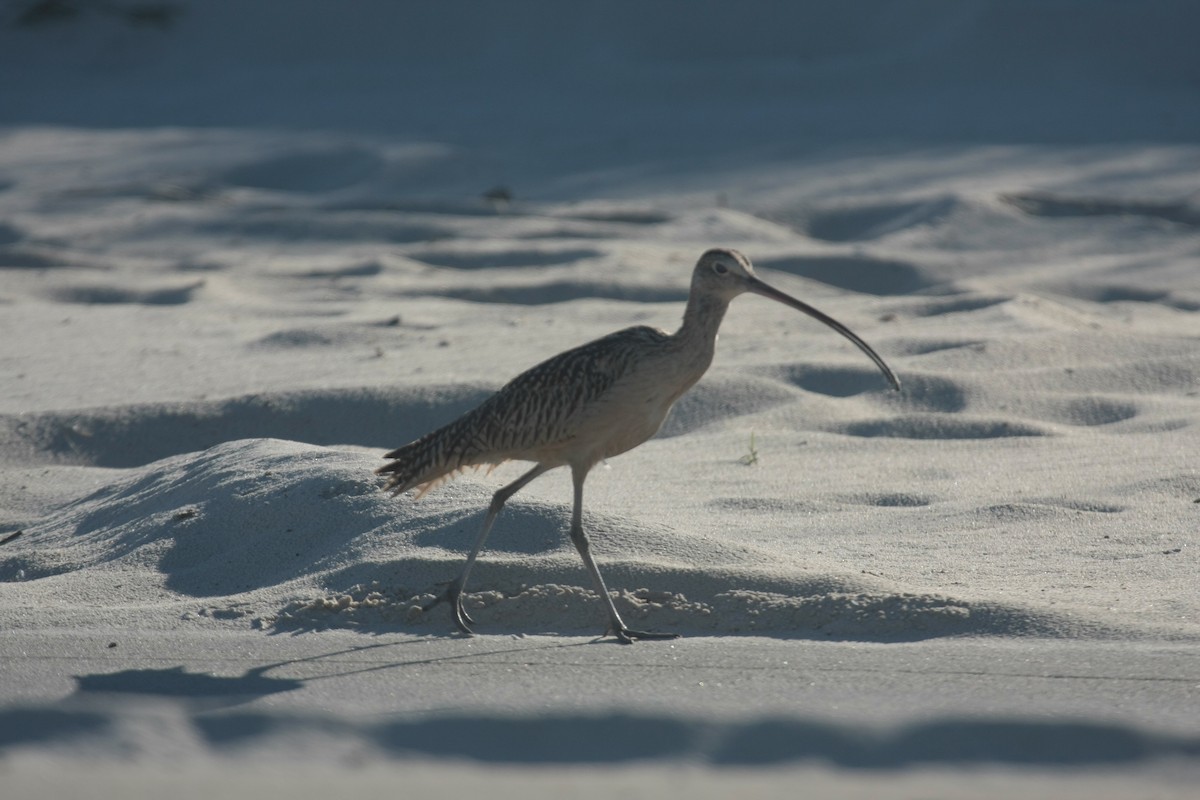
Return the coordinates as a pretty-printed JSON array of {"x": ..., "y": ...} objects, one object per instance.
[
  {"x": 540, "y": 406},
  {"x": 533, "y": 413}
]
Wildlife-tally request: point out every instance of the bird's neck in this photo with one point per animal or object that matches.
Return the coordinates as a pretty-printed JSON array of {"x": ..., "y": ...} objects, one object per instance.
[{"x": 701, "y": 321}]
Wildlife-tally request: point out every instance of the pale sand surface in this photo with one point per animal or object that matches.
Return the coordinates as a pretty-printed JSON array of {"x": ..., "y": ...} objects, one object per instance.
[{"x": 236, "y": 268}]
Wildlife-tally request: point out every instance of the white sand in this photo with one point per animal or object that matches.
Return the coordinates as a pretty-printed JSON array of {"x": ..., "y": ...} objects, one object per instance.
[{"x": 243, "y": 255}]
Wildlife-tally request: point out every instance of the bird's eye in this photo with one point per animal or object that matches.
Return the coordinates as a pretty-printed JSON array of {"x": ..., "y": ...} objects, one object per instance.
[{"x": 720, "y": 268}]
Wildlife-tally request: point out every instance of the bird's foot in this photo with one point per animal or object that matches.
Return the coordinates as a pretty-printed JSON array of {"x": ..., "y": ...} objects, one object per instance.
[
  {"x": 453, "y": 596},
  {"x": 461, "y": 618},
  {"x": 629, "y": 636}
]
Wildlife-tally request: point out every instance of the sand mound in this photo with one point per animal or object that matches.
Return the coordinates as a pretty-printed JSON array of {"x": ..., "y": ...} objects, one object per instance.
[{"x": 250, "y": 523}]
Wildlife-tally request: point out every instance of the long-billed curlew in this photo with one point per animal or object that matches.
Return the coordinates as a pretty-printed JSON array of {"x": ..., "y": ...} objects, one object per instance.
[{"x": 588, "y": 404}]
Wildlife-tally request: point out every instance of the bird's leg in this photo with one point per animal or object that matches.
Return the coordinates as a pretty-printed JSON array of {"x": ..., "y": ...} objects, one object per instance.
[
  {"x": 454, "y": 589},
  {"x": 616, "y": 626}
]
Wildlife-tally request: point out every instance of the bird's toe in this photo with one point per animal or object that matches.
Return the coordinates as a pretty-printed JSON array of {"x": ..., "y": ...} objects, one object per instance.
[
  {"x": 629, "y": 635},
  {"x": 461, "y": 618}
]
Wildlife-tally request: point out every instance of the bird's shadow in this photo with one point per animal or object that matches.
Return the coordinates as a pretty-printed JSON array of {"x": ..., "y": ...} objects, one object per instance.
[
  {"x": 193, "y": 688},
  {"x": 206, "y": 691}
]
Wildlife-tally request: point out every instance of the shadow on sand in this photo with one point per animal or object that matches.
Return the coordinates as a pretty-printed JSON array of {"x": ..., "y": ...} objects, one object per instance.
[{"x": 99, "y": 710}]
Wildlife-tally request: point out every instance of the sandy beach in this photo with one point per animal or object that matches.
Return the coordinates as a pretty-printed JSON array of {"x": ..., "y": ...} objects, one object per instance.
[{"x": 245, "y": 251}]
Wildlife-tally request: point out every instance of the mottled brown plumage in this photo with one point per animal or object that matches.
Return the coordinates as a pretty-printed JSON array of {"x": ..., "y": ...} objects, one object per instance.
[
  {"x": 536, "y": 416},
  {"x": 587, "y": 404}
]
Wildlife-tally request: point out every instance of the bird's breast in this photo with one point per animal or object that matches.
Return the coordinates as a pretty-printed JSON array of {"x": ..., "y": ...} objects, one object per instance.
[{"x": 634, "y": 409}]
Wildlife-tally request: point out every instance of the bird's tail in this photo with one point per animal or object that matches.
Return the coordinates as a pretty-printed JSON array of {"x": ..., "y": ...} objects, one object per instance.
[{"x": 430, "y": 461}]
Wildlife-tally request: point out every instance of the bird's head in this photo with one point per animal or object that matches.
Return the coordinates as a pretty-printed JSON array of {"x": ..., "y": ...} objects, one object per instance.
[{"x": 725, "y": 274}]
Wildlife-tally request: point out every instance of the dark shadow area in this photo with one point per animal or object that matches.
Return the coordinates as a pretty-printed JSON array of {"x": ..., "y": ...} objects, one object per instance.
[
  {"x": 176, "y": 682},
  {"x": 131, "y": 436},
  {"x": 954, "y": 305},
  {"x": 873, "y": 221},
  {"x": 206, "y": 690},
  {"x": 88, "y": 717},
  {"x": 855, "y": 273},
  {"x": 950, "y": 742},
  {"x": 938, "y": 426},
  {"x": 135, "y": 435},
  {"x": 113, "y": 295},
  {"x": 1127, "y": 294},
  {"x": 303, "y": 225},
  {"x": 834, "y": 381},
  {"x": 202, "y": 691},
  {"x": 557, "y": 292},
  {"x": 133, "y": 13},
  {"x": 892, "y": 499},
  {"x": 504, "y": 258},
  {"x": 225, "y": 548},
  {"x": 721, "y": 398},
  {"x": 623, "y": 738},
  {"x": 526, "y": 529},
  {"x": 941, "y": 71},
  {"x": 315, "y": 170},
  {"x": 920, "y": 392},
  {"x": 1042, "y": 204},
  {"x": 26, "y": 726}
]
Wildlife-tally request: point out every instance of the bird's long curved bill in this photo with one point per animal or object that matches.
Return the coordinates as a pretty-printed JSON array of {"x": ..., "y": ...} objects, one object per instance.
[{"x": 766, "y": 290}]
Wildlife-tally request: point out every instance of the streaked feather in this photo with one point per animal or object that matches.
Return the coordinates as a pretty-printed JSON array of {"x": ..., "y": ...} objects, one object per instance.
[{"x": 535, "y": 411}]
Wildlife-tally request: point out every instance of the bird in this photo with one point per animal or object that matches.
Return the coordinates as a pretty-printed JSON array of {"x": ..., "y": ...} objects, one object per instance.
[{"x": 586, "y": 405}]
